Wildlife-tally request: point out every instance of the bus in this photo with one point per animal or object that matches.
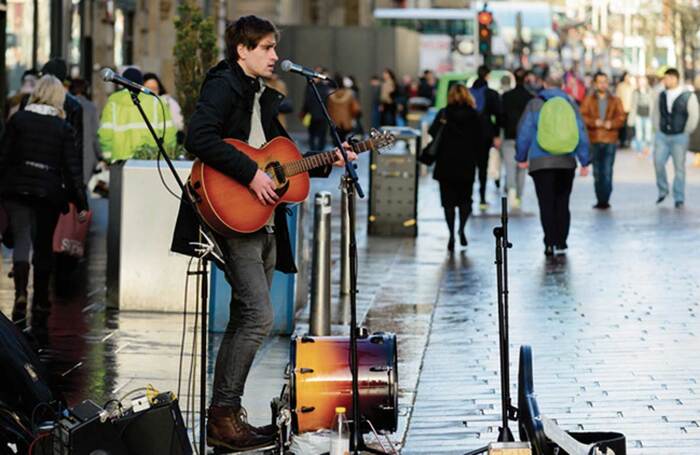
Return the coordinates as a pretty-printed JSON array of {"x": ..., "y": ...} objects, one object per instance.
[{"x": 448, "y": 35}]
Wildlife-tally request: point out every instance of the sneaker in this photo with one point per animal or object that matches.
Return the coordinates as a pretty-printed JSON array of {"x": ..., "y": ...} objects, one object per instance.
[
  {"x": 549, "y": 250},
  {"x": 483, "y": 206},
  {"x": 660, "y": 199},
  {"x": 560, "y": 251},
  {"x": 679, "y": 204},
  {"x": 602, "y": 206}
]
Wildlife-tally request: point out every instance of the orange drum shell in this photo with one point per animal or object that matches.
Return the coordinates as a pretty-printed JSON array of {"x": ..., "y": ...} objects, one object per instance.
[{"x": 321, "y": 380}]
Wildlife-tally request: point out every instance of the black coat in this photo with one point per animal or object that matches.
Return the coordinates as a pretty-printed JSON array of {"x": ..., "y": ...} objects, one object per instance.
[
  {"x": 224, "y": 110},
  {"x": 74, "y": 117},
  {"x": 491, "y": 115},
  {"x": 459, "y": 143},
  {"x": 514, "y": 102},
  {"x": 38, "y": 160}
]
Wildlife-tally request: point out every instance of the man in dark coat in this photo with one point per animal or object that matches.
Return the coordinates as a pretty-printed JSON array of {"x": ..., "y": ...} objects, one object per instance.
[
  {"x": 488, "y": 104},
  {"x": 514, "y": 103},
  {"x": 234, "y": 104}
]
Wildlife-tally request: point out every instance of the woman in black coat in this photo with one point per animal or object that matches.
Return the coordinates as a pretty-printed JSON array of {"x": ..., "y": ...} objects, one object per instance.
[
  {"x": 455, "y": 163},
  {"x": 40, "y": 172}
]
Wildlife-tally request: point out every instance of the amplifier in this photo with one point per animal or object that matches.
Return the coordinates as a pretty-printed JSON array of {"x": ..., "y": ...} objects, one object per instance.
[{"x": 155, "y": 428}]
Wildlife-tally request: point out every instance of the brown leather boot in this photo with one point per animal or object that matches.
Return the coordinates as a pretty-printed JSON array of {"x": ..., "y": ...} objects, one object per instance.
[
  {"x": 267, "y": 430},
  {"x": 227, "y": 429}
]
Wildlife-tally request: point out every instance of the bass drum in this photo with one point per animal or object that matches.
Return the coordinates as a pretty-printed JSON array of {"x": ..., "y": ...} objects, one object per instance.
[{"x": 320, "y": 380}]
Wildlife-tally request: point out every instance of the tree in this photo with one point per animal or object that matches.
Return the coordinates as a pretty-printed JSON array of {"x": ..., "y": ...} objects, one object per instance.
[{"x": 195, "y": 52}]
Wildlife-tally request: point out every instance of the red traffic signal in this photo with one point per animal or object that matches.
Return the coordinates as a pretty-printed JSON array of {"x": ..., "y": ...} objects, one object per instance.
[{"x": 485, "y": 18}]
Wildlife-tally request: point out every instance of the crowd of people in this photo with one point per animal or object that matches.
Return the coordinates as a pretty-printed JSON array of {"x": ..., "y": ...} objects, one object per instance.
[
  {"x": 45, "y": 176},
  {"x": 548, "y": 122}
]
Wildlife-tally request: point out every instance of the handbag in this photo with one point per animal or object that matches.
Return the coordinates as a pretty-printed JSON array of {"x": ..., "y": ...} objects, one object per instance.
[
  {"x": 430, "y": 152},
  {"x": 70, "y": 234}
]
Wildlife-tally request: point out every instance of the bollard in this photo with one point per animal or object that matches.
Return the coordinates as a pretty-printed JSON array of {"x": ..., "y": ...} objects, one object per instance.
[{"x": 320, "y": 317}]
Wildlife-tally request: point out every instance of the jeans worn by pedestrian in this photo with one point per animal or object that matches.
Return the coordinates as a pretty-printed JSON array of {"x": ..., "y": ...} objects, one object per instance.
[
  {"x": 515, "y": 176},
  {"x": 252, "y": 263},
  {"x": 643, "y": 137},
  {"x": 674, "y": 146},
  {"x": 603, "y": 162},
  {"x": 553, "y": 187}
]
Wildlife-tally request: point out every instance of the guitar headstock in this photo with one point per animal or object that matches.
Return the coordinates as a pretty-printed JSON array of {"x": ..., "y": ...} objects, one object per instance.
[{"x": 381, "y": 140}]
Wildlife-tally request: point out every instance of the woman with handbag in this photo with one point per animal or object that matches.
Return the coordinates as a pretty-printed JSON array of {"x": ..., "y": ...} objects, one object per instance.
[
  {"x": 456, "y": 136},
  {"x": 40, "y": 172}
]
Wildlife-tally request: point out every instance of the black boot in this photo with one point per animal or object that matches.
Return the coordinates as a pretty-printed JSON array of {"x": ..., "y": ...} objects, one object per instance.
[
  {"x": 41, "y": 306},
  {"x": 21, "y": 277}
]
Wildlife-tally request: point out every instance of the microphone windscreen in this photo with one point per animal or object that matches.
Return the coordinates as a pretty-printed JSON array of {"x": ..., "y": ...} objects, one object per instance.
[
  {"x": 286, "y": 65},
  {"x": 107, "y": 75}
]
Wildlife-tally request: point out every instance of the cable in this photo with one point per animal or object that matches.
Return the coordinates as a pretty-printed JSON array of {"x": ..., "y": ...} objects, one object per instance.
[
  {"x": 162, "y": 141},
  {"x": 184, "y": 327},
  {"x": 37, "y": 439},
  {"x": 42, "y": 404},
  {"x": 193, "y": 364},
  {"x": 133, "y": 391}
]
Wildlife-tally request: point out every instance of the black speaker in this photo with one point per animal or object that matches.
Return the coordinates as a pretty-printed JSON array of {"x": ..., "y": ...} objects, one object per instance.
[{"x": 159, "y": 429}]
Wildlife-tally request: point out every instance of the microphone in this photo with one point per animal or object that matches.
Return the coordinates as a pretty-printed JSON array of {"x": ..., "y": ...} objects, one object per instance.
[
  {"x": 287, "y": 65},
  {"x": 110, "y": 76}
]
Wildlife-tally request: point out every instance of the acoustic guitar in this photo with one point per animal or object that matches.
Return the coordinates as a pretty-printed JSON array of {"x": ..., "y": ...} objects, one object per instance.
[{"x": 228, "y": 206}]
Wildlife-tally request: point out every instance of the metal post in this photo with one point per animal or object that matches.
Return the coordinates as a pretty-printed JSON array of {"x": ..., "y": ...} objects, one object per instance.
[
  {"x": 344, "y": 240},
  {"x": 320, "y": 317}
]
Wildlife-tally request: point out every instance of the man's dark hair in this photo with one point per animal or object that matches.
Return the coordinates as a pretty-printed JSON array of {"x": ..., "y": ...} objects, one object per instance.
[
  {"x": 672, "y": 72},
  {"x": 248, "y": 31},
  {"x": 483, "y": 71},
  {"x": 520, "y": 74},
  {"x": 599, "y": 74}
]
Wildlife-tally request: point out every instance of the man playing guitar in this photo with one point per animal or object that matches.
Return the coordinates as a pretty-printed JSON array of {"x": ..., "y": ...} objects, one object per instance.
[{"x": 234, "y": 103}]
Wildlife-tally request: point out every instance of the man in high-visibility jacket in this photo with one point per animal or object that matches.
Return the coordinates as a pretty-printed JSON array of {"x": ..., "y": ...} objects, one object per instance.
[{"x": 122, "y": 129}]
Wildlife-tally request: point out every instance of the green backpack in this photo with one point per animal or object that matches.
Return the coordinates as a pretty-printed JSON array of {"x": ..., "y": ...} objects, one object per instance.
[{"x": 557, "y": 129}]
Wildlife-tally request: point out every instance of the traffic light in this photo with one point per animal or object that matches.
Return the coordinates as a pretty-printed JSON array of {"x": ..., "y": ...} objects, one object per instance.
[{"x": 485, "y": 19}]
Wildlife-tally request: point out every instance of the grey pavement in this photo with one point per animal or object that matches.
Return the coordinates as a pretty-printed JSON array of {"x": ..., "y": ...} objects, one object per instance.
[{"x": 612, "y": 325}]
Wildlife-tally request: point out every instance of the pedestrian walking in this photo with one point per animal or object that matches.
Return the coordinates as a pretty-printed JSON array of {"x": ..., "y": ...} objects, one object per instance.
[
  {"x": 641, "y": 102},
  {"x": 458, "y": 148},
  {"x": 514, "y": 103},
  {"x": 387, "y": 98},
  {"x": 674, "y": 117},
  {"x": 694, "y": 141},
  {"x": 343, "y": 108},
  {"x": 625, "y": 91},
  {"x": 488, "y": 105},
  {"x": 604, "y": 117},
  {"x": 312, "y": 113},
  {"x": 551, "y": 136},
  {"x": 92, "y": 153},
  {"x": 40, "y": 172}
]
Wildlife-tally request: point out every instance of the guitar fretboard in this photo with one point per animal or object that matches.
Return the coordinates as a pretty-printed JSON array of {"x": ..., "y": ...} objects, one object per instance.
[{"x": 321, "y": 159}]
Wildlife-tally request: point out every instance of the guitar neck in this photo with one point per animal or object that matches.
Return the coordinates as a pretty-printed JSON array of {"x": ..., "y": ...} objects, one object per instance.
[{"x": 322, "y": 159}]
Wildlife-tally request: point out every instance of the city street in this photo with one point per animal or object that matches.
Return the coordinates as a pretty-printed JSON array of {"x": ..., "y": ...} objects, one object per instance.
[{"x": 613, "y": 324}]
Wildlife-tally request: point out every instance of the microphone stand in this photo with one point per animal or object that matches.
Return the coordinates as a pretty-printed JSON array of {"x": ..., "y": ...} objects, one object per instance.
[
  {"x": 508, "y": 411},
  {"x": 352, "y": 186},
  {"x": 207, "y": 249}
]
